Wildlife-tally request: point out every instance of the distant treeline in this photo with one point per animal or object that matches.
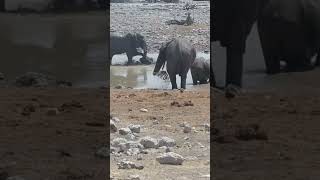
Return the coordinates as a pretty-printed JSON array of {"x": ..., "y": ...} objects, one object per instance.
[{"x": 51, "y": 5}]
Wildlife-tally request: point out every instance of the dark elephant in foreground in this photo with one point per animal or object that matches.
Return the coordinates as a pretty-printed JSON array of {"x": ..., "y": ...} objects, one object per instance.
[
  {"x": 129, "y": 44},
  {"x": 179, "y": 55},
  {"x": 200, "y": 71},
  {"x": 289, "y": 31}
]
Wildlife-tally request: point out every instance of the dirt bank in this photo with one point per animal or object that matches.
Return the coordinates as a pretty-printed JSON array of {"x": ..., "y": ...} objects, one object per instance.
[
  {"x": 166, "y": 111},
  {"x": 52, "y": 133},
  {"x": 271, "y": 134}
]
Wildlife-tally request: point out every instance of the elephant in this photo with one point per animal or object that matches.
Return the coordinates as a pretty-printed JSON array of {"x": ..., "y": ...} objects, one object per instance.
[
  {"x": 289, "y": 30},
  {"x": 200, "y": 71},
  {"x": 129, "y": 44},
  {"x": 179, "y": 55},
  {"x": 232, "y": 22}
]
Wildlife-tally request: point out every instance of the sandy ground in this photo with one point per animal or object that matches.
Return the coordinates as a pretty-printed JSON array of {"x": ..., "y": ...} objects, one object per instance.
[
  {"x": 163, "y": 119},
  {"x": 286, "y": 144},
  {"x": 35, "y": 145}
]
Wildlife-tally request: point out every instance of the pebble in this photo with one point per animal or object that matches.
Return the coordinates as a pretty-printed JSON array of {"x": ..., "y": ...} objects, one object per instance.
[
  {"x": 143, "y": 110},
  {"x": 117, "y": 141},
  {"x": 115, "y": 119},
  {"x": 207, "y": 127},
  {"x": 170, "y": 158},
  {"x": 134, "y": 177},
  {"x": 129, "y": 165},
  {"x": 124, "y": 131},
  {"x": 165, "y": 141},
  {"x": 149, "y": 142},
  {"x": 187, "y": 129},
  {"x": 135, "y": 128}
]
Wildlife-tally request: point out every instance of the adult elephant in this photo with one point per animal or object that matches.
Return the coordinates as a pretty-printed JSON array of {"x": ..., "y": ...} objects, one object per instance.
[
  {"x": 128, "y": 44},
  {"x": 232, "y": 21},
  {"x": 179, "y": 55},
  {"x": 289, "y": 30}
]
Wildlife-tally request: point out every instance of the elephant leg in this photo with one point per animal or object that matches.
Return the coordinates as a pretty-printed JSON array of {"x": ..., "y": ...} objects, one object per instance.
[
  {"x": 173, "y": 80},
  {"x": 130, "y": 61},
  {"x": 183, "y": 81},
  {"x": 194, "y": 77},
  {"x": 234, "y": 67},
  {"x": 270, "y": 45},
  {"x": 318, "y": 59}
]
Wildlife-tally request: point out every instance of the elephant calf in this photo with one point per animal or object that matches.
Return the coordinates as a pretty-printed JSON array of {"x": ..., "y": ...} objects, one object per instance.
[{"x": 200, "y": 71}]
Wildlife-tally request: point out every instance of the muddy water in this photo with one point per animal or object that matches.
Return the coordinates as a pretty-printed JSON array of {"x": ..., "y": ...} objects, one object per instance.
[
  {"x": 140, "y": 76},
  {"x": 71, "y": 46}
]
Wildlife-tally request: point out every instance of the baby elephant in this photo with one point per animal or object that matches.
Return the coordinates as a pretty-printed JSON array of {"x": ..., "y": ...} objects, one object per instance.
[{"x": 200, "y": 71}]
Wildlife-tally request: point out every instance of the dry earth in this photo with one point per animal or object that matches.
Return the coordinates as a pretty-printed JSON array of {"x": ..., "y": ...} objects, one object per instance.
[{"x": 164, "y": 118}]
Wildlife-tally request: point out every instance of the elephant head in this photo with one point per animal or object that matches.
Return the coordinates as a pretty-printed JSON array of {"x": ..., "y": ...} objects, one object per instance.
[
  {"x": 161, "y": 60},
  {"x": 137, "y": 41}
]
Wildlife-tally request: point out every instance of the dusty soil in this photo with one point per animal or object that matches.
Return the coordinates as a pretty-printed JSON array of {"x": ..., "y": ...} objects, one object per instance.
[
  {"x": 164, "y": 119},
  {"x": 286, "y": 144},
  {"x": 35, "y": 145},
  {"x": 149, "y": 20}
]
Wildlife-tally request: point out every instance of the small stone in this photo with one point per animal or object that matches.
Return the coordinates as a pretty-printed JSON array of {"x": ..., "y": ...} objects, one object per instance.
[
  {"x": 130, "y": 137},
  {"x": 143, "y": 110},
  {"x": 129, "y": 165},
  {"x": 135, "y": 128},
  {"x": 139, "y": 158},
  {"x": 170, "y": 158},
  {"x": 187, "y": 129},
  {"x": 113, "y": 127},
  {"x": 124, "y": 131},
  {"x": 186, "y": 138},
  {"x": 149, "y": 142},
  {"x": 116, "y": 142},
  {"x": 168, "y": 142},
  {"x": 52, "y": 111},
  {"x": 115, "y": 119},
  {"x": 134, "y": 177},
  {"x": 119, "y": 87}
]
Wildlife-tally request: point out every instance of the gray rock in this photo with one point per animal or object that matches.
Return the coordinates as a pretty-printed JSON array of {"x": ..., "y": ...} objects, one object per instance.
[
  {"x": 129, "y": 165},
  {"x": 187, "y": 128},
  {"x": 207, "y": 127},
  {"x": 170, "y": 158},
  {"x": 135, "y": 128},
  {"x": 168, "y": 142},
  {"x": 131, "y": 147},
  {"x": 149, "y": 142},
  {"x": 134, "y": 177},
  {"x": 124, "y": 131},
  {"x": 113, "y": 127},
  {"x": 117, "y": 141},
  {"x": 115, "y": 119},
  {"x": 130, "y": 137}
]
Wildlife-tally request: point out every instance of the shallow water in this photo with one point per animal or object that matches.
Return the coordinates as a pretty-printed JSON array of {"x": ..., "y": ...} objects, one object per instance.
[
  {"x": 71, "y": 47},
  {"x": 140, "y": 76}
]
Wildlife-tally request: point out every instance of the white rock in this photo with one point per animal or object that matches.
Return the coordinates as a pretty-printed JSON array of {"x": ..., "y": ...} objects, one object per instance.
[
  {"x": 124, "y": 131},
  {"x": 134, "y": 177},
  {"x": 115, "y": 119},
  {"x": 129, "y": 165},
  {"x": 149, "y": 142},
  {"x": 143, "y": 110},
  {"x": 117, "y": 141},
  {"x": 170, "y": 158},
  {"x": 135, "y": 128},
  {"x": 168, "y": 142}
]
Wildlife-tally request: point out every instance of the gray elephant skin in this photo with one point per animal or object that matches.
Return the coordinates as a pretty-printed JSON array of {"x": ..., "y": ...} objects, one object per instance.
[
  {"x": 179, "y": 55},
  {"x": 289, "y": 30},
  {"x": 128, "y": 44},
  {"x": 200, "y": 71}
]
